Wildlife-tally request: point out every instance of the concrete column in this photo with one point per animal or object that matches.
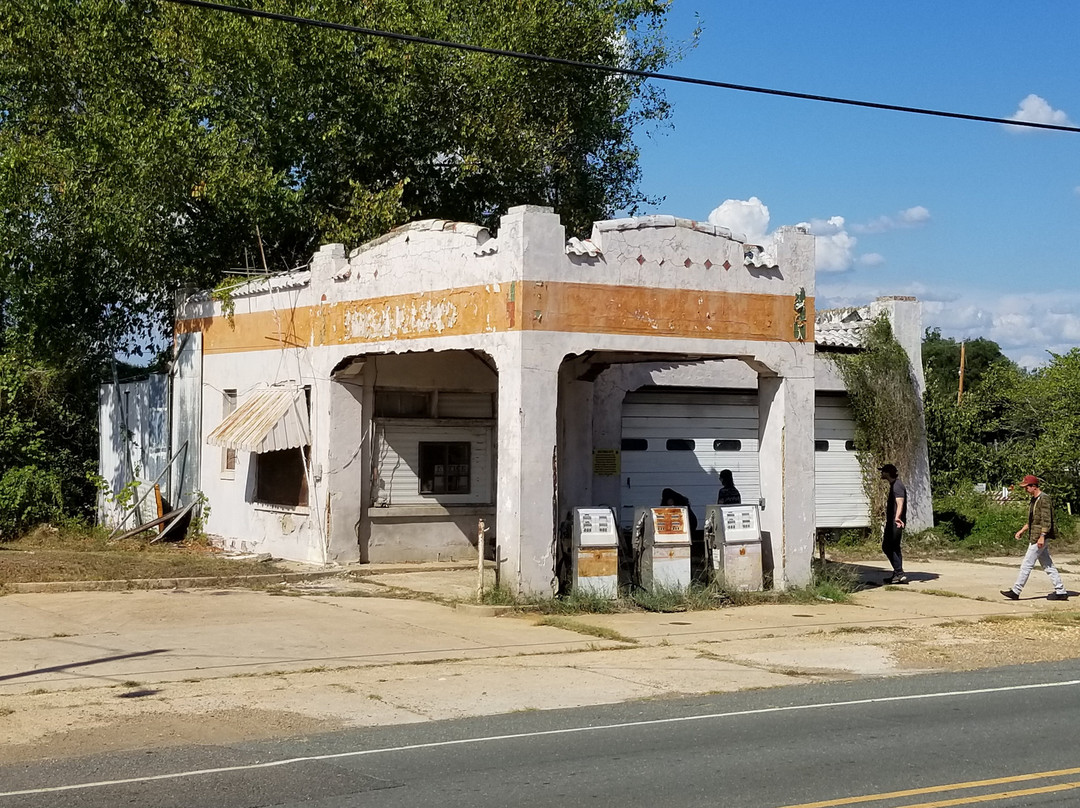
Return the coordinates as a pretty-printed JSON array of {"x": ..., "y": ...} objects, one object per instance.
[
  {"x": 527, "y": 437},
  {"x": 344, "y": 470},
  {"x": 786, "y": 412}
]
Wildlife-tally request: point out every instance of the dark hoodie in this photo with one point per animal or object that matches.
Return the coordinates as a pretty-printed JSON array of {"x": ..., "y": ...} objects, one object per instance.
[{"x": 672, "y": 497}]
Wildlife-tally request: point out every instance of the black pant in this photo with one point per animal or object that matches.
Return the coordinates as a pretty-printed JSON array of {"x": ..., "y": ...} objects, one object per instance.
[{"x": 890, "y": 546}]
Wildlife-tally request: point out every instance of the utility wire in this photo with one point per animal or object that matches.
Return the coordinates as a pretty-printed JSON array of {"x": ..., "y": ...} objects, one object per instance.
[{"x": 625, "y": 71}]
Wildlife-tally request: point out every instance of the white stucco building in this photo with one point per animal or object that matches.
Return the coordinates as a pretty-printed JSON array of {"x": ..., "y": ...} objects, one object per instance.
[{"x": 376, "y": 405}]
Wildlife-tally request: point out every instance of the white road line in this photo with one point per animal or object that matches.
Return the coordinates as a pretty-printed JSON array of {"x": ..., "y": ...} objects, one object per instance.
[{"x": 517, "y": 736}]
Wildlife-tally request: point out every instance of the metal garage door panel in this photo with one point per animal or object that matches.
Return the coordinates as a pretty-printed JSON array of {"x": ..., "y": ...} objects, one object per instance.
[
  {"x": 840, "y": 501},
  {"x": 702, "y": 418}
]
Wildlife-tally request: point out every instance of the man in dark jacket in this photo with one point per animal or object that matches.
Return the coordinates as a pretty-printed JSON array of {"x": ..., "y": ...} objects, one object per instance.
[
  {"x": 728, "y": 493},
  {"x": 1039, "y": 529},
  {"x": 895, "y": 518}
]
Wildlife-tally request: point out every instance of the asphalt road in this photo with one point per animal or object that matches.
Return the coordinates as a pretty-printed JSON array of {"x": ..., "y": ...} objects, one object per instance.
[{"x": 946, "y": 739}]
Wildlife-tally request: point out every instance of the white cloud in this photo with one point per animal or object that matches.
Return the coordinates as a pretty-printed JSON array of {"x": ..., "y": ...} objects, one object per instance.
[
  {"x": 911, "y": 217},
  {"x": 1036, "y": 109},
  {"x": 749, "y": 218},
  {"x": 1028, "y": 327},
  {"x": 834, "y": 242},
  {"x": 835, "y": 246}
]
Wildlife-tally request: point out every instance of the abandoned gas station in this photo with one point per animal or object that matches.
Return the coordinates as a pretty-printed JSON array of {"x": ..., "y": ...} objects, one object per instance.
[{"x": 380, "y": 404}]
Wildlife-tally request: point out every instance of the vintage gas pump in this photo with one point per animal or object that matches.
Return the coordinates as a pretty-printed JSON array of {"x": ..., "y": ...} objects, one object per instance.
[
  {"x": 596, "y": 552},
  {"x": 733, "y": 535},
  {"x": 661, "y": 543}
]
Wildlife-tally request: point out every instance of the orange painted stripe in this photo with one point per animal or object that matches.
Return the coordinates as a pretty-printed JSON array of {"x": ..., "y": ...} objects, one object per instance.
[{"x": 520, "y": 306}]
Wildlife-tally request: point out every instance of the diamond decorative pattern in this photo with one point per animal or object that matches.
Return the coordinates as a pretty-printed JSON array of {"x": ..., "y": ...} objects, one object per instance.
[
  {"x": 727, "y": 265},
  {"x": 640, "y": 260},
  {"x": 688, "y": 263},
  {"x": 708, "y": 264}
]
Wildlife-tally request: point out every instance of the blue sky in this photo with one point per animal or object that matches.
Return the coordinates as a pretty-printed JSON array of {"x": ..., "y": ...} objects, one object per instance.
[{"x": 978, "y": 220}]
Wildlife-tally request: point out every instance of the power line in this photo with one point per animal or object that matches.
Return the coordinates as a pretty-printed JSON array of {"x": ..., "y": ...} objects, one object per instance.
[{"x": 613, "y": 69}]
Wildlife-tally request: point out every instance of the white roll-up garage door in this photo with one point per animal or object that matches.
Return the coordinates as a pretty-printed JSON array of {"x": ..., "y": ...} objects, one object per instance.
[
  {"x": 840, "y": 499},
  {"x": 682, "y": 439}
]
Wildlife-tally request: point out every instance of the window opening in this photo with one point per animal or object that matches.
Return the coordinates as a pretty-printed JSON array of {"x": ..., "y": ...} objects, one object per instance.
[
  {"x": 445, "y": 467},
  {"x": 680, "y": 445}
]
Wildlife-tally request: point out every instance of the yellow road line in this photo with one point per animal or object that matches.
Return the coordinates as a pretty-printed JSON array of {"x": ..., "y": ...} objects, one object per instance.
[
  {"x": 912, "y": 792},
  {"x": 1001, "y": 795}
]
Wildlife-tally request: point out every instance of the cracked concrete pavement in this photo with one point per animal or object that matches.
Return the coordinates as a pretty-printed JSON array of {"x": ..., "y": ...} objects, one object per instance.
[{"x": 133, "y": 669}]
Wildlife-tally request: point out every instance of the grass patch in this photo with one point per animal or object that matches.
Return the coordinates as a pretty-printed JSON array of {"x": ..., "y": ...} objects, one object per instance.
[
  {"x": 941, "y": 593},
  {"x": 569, "y": 624},
  {"x": 967, "y": 525},
  {"x": 499, "y": 595},
  {"x": 82, "y": 553},
  {"x": 577, "y": 602}
]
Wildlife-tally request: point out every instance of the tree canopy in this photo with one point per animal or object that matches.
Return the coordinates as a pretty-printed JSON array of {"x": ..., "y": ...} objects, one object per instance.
[
  {"x": 1010, "y": 422},
  {"x": 143, "y": 142}
]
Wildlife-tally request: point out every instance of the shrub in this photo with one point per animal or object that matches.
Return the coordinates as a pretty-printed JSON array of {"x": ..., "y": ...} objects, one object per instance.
[
  {"x": 28, "y": 496},
  {"x": 973, "y": 521}
]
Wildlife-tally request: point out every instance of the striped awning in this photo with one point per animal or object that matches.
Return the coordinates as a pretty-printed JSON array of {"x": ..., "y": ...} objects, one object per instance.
[{"x": 271, "y": 419}]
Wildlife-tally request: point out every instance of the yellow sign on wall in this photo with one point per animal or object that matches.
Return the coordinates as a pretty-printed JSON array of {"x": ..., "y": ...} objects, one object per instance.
[{"x": 605, "y": 462}]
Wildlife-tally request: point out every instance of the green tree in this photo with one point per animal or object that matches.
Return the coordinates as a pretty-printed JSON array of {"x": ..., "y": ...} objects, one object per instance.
[
  {"x": 1053, "y": 405},
  {"x": 941, "y": 362},
  {"x": 142, "y": 143}
]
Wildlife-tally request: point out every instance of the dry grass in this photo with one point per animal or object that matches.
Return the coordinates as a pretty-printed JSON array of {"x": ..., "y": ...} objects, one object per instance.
[{"x": 84, "y": 554}]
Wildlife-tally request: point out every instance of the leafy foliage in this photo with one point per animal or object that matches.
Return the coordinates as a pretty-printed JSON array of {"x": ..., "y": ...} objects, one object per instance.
[
  {"x": 1009, "y": 423},
  {"x": 47, "y": 440},
  {"x": 884, "y": 405},
  {"x": 941, "y": 362},
  {"x": 143, "y": 142}
]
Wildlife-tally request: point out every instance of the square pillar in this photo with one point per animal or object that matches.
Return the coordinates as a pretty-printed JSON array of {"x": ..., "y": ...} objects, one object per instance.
[
  {"x": 528, "y": 435},
  {"x": 345, "y": 478},
  {"x": 786, "y": 413}
]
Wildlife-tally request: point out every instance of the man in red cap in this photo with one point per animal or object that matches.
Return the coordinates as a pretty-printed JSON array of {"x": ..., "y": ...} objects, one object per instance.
[{"x": 1039, "y": 529}]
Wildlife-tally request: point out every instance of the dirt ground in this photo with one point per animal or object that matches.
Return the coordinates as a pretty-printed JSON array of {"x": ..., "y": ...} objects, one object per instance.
[{"x": 57, "y": 724}]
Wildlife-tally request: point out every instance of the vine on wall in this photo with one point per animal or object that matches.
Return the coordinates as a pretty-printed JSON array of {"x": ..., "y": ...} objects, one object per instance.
[{"x": 886, "y": 408}]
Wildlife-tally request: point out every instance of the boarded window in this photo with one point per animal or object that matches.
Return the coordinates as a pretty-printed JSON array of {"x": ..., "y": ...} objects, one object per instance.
[
  {"x": 634, "y": 444},
  {"x": 445, "y": 467},
  {"x": 402, "y": 404},
  {"x": 727, "y": 445},
  {"x": 281, "y": 477},
  {"x": 228, "y": 456}
]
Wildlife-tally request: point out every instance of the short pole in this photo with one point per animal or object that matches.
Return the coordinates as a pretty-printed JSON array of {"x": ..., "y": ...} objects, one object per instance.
[{"x": 481, "y": 530}]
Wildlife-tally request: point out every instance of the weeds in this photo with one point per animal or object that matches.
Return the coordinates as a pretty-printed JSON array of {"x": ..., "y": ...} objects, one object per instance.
[
  {"x": 76, "y": 552},
  {"x": 568, "y": 624},
  {"x": 498, "y": 595}
]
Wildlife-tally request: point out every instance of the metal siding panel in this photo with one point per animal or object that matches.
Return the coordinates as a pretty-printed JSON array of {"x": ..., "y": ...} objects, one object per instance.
[
  {"x": 399, "y": 464},
  {"x": 269, "y": 420},
  {"x": 184, "y": 478}
]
